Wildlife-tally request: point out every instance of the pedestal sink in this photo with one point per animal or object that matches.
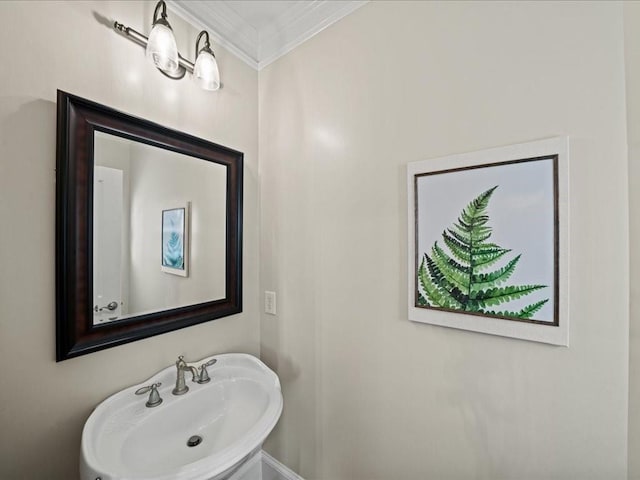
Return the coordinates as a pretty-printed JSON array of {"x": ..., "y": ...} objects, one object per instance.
[{"x": 227, "y": 419}]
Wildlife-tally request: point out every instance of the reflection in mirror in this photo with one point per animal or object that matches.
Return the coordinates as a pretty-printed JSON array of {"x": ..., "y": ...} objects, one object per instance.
[{"x": 158, "y": 229}]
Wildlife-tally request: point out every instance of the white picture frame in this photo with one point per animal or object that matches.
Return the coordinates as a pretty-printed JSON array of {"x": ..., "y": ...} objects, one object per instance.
[{"x": 488, "y": 241}]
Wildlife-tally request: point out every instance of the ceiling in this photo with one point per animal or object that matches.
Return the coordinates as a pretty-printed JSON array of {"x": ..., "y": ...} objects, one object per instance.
[{"x": 260, "y": 31}]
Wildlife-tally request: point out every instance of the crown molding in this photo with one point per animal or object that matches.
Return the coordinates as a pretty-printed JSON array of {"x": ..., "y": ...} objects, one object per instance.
[{"x": 259, "y": 48}]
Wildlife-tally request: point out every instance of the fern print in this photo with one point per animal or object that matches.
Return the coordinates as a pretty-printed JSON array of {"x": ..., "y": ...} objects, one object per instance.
[
  {"x": 173, "y": 251},
  {"x": 172, "y": 239},
  {"x": 462, "y": 272}
]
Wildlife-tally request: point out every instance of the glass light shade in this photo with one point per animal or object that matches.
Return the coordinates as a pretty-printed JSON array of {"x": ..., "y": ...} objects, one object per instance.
[
  {"x": 162, "y": 48},
  {"x": 205, "y": 71}
]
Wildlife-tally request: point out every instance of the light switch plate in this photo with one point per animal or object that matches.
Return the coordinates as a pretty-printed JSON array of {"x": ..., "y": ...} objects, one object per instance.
[{"x": 270, "y": 302}]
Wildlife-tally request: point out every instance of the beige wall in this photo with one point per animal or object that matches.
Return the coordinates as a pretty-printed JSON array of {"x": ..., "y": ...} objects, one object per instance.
[
  {"x": 632, "y": 63},
  {"x": 368, "y": 394},
  {"x": 49, "y": 45}
]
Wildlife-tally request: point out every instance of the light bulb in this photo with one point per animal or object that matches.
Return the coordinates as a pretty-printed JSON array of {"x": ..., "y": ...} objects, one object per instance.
[
  {"x": 205, "y": 71},
  {"x": 162, "y": 48}
]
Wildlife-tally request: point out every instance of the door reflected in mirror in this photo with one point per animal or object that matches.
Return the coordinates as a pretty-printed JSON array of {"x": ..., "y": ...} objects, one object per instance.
[{"x": 158, "y": 229}]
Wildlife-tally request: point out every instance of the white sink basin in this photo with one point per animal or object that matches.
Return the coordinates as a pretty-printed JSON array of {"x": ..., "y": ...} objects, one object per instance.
[{"x": 233, "y": 413}]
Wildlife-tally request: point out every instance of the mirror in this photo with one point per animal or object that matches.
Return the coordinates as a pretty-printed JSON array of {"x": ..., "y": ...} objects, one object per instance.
[{"x": 148, "y": 229}]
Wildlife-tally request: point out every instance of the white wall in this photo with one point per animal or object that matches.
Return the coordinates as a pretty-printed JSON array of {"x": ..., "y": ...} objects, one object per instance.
[
  {"x": 368, "y": 394},
  {"x": 632, "y": 63},
  {"x": 71, "y": 46}
]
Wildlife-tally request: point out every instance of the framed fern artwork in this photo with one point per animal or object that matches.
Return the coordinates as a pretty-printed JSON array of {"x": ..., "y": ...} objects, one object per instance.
[
  {"x": 488, "y": 241},
  {"x": 175, "y": 241}
]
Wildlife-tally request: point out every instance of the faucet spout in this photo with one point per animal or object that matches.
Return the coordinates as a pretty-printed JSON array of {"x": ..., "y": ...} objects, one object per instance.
[
  {"x": 193, "y": 370},
  {"x": 181, "y": 385}
]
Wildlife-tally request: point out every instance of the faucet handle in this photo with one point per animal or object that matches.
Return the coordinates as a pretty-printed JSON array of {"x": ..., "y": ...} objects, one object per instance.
[
  {"x": 203, "y": 377},
  {"x": 154, "y": 396}
]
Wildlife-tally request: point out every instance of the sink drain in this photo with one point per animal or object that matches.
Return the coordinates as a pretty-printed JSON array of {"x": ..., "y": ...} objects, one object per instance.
[{"x": 193, "y": 441}]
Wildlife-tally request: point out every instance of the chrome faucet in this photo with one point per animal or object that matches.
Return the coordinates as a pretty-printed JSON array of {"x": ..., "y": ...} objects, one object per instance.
[
  {"x": 181, "y": 385},
  {"x": 198, "y": 375}
]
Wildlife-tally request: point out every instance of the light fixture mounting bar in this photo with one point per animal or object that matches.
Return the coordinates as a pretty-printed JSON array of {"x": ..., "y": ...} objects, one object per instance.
[{"x": 184, "y": 64}]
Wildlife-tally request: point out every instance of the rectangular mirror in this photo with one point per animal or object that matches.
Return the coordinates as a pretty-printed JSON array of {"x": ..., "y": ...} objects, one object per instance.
[{"x": 149, "y": 228}]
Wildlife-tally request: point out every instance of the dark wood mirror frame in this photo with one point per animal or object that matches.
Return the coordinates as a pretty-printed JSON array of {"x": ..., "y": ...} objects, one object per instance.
[{"x": 76, "y": 334}]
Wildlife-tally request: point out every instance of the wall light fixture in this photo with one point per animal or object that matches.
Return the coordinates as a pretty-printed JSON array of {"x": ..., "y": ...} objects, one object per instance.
[{"x": 161, "y": 49}]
